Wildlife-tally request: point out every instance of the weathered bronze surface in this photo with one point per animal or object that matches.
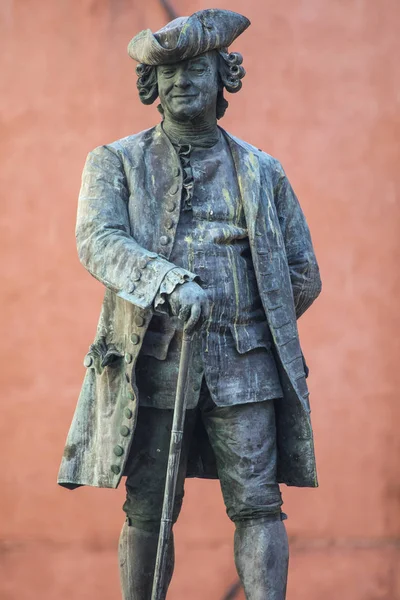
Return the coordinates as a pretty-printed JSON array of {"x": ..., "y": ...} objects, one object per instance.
[{"x": 186, "y": 224}]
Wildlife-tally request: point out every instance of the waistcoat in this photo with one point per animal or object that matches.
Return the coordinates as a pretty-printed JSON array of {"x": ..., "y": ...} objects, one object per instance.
[{"x": 233, "y": 346}]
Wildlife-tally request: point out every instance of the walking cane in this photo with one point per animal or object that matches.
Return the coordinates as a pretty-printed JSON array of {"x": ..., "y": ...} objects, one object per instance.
[{"x": 172, "y": 468}]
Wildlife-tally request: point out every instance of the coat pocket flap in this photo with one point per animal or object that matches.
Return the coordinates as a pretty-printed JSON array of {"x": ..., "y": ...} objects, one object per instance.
[
  {"x": 111, "y": 357},
  {"x": 250, "y": 336}
]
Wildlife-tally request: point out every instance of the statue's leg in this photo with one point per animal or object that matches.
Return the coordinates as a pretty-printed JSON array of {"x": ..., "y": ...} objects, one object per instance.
[
  {"x": 261, "y": 557},
  {"x": 146, "y": 474},
  {"x": 243, "y": 438},
  {"x": 137, "y": 555}
]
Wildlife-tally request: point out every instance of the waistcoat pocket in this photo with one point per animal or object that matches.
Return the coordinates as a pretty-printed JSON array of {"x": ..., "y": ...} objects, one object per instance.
[{"x": 250, "y": 336}]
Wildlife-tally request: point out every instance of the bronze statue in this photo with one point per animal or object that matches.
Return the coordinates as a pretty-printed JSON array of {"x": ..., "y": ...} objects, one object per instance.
[{"x": 189, "y": 227}]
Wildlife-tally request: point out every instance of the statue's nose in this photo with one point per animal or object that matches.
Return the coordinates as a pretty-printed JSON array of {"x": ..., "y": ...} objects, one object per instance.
[{"x": 182, "y": 80}]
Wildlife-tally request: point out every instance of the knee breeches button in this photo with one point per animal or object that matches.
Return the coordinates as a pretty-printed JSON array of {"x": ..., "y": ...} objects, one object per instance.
[
  {"x": 115, "y": 469},
  {"x": 128, "y": 413},
  {"x": 124, "y": 430},
  {"x": 140, "y": 321},
  {"x": 128, "y": 358},
  {"x": 118, "y": 450},
  {"x": 135, "y": 339}
]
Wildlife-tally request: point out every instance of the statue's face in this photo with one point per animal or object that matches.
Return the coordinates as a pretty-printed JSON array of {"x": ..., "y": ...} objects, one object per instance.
[{"x": 189, "y": 88}]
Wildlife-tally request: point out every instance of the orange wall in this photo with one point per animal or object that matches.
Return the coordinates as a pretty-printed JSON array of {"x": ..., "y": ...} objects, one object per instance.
[{"x": 321, "y": 95}]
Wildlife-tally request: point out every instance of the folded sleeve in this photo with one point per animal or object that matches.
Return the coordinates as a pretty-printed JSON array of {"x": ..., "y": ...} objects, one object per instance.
[
  {"x": 303, "y": 266},
  {"x": 105, "y": 245},
  {"x": 176, "y": 276}
]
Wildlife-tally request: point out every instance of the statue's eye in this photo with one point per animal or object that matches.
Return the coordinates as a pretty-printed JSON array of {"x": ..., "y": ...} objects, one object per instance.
[
  {"x": 168, "y": 72},
  {"x": 197, "y": 68}
]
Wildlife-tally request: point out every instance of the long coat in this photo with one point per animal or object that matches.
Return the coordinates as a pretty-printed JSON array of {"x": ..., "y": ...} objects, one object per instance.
[{"x": 130, "y": 189}]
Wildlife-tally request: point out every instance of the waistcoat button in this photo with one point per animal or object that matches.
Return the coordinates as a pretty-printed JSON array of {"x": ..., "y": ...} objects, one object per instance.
[
  {"x": 135, "y": 339},
  {"x": 124, "y": 431},
  {"x": 140, "y": 321}
]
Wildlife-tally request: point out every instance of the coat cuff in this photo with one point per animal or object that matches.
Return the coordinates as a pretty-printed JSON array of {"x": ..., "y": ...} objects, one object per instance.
[{"x": 176, "y": 276}]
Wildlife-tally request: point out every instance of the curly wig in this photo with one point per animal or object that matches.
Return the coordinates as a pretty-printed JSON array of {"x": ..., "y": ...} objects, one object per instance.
[{"x": 230, "y": 74}]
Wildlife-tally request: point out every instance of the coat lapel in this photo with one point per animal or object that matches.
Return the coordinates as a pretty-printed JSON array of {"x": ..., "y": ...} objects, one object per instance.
[{"x": 248, "y": 175}]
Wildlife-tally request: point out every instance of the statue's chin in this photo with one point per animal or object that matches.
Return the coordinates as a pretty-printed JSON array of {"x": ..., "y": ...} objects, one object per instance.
[{"x": 184, "y": 110}]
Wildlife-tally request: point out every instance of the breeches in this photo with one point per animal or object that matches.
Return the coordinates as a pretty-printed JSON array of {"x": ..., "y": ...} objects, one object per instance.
[{"x": 243, "y": 438}]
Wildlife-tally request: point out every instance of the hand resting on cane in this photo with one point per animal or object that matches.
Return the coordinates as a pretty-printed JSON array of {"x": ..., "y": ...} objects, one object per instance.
[{"x": 189, "y": 302}]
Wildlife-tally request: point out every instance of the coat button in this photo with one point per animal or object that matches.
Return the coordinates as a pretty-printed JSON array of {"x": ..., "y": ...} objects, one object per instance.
[
  {"x": 124, "y": 431},
  {"x": 135, "y": 339},
  {"x": 164, "y": 240},
  {"x": 143, "y": 260},
  {"x": 140, "y": 321},
  {"x": 169, "y": 223},
  {"x": 116, "y": 469},
  {"x": 136, "y": 275},
  {"x": 171, "y": 206},
  {"x": 199, "y": 369},
  {"x": 128, "y": 413},
  {"x": 196, "y": 387},
  {"x": 174, "y": 189},
  {"x": 131, "y": 396},
  {"x": 132, "y": 288},
  {"x": 128, "y": 358},
  {"x": 87, "y": 361},
  {"x": 118, "y": 450}
]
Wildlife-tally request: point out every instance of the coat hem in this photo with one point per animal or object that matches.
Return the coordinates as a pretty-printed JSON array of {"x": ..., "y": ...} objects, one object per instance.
[{"x": 72, "y": 485}]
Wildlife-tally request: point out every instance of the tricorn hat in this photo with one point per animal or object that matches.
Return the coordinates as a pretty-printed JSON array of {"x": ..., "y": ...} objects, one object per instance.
[{"x": 187, "y": 37}]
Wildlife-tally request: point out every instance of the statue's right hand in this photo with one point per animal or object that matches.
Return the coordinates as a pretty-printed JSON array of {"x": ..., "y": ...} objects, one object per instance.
[{"x": 189, "y": 302}]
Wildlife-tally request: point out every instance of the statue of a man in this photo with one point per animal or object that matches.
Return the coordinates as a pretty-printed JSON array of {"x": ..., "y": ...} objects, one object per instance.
[{"x": 184, "y": 223}]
